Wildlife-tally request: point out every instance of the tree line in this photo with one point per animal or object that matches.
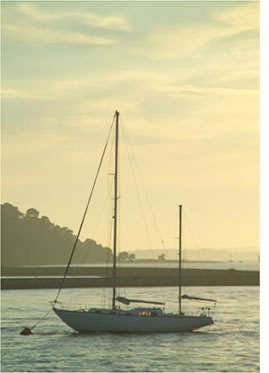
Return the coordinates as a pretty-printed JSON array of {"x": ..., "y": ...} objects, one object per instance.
[{"x": 28, "y": 239}]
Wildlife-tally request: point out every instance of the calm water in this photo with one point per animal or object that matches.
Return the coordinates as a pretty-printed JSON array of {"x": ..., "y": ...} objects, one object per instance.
[
  {"x": 243, "y": 266},
  {"x": 231, "y": 344}
]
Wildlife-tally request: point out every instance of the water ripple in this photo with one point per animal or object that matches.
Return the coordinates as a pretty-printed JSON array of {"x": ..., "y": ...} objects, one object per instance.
[{"x": 231, "y": 344}]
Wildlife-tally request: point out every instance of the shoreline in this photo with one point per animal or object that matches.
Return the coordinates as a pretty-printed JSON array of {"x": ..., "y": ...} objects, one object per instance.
[{"x": 50, "y": 278}]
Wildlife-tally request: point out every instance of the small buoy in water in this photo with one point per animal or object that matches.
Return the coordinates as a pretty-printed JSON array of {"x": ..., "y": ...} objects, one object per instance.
[{"x": 26, "y": 331}]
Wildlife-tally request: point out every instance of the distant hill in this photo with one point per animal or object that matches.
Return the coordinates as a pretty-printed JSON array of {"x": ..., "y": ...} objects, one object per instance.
[{"x": 28, "y": 239}]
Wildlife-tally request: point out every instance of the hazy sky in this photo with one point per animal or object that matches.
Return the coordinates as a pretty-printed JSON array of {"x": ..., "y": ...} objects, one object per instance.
[{"x": 185, "y": 78}]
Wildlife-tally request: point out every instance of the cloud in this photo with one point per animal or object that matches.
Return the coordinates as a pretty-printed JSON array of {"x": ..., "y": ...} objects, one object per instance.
[
  {"x": 195, "y": 91},
  {"x": 90, "y": 19},
  {"x": 32, "y": 12},
  {"x": 108, "y": 22},
  {"x": 49, "y": 36},
  {"x": 243, "y": 17},
  {"x": 37, "y": 25},
  {"x": 193, "y": 39},
  {"x": 14, "y": 94}
]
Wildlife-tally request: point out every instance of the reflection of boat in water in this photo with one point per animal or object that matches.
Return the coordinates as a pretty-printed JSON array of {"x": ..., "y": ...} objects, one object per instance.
[{"x": 151, "y": 318}]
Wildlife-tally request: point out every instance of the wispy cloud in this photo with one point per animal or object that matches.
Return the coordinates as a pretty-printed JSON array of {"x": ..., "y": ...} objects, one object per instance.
[
  {"x": 243, "y": 17},
  {"x": 191, "y": 40},
  {"x": 14, "y": 93},
  {"x": 34, "y": 33},
  {"x": 194, "y": 92},
  {"x": 104, "y": 22}
]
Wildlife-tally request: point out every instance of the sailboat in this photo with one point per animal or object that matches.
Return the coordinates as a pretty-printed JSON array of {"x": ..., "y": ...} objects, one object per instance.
[{"x": 149, "y": 318}]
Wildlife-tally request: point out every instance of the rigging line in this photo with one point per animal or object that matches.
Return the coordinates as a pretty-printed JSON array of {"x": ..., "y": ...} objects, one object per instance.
[
  {"x": 192, "y": 237},
  {"x": 85, "y": 212},
  {"x": 139, "y": 198},
  {"x": 42, "y": 318},
  {"x": 93, "y": 234},
  {"x": 109, "y": 240},
  {"x": 146, "y": 195},
  {"x": 109, "y": 214},
  {"x": 137, "y": 189},
  {"x": 149, "y": 204},
  {"x": 99, "y": 218},
  {"x": 107, "y": 260},
  {"x": 119, "y": 203},
  {"x": 109, "y": 184}
]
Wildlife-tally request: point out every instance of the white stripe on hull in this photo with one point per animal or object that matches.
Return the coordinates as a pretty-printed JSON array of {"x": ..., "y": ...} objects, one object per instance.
[{"x": 87, "y": 322}]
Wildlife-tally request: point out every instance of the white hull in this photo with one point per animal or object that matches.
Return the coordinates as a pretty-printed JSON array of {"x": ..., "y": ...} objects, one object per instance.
[{"x": 87, "y": 322}]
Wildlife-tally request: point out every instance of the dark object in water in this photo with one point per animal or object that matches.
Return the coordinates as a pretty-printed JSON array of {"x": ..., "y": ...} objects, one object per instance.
[{"x": 26, "y": 331}]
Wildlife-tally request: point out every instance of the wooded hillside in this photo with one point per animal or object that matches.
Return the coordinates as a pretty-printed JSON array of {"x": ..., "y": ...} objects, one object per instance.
[{"x": 28, "y": 239}]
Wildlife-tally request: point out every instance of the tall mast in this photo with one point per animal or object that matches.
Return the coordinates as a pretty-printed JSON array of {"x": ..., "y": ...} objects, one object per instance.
[
  {"x": 179, "y": 259},
  {"x": 115, "y": 208}
]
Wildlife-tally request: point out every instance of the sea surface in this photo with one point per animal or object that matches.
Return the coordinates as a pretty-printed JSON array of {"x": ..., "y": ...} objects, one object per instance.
[{"x": 230, "y": 345}]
